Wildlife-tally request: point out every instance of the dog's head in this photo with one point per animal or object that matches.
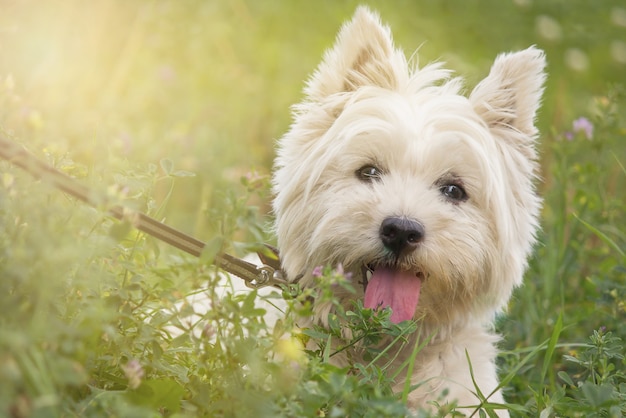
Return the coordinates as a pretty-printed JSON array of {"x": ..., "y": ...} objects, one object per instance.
[{"x": 390, "y": 171}]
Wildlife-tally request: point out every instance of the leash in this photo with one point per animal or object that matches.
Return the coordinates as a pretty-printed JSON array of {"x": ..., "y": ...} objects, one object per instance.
[{"x": 269, "y": 274}]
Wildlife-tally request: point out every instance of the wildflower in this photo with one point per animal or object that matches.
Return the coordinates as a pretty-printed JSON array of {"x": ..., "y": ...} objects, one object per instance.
[
  {"x": 317, "y": 271},
  {"x": 291, "y": 349},
  {"x": 134, "y": 372},
  {"x": 583, "y": 124},
  {"x": 339, "y": 270},
  {"x": 208, "y": 331}
]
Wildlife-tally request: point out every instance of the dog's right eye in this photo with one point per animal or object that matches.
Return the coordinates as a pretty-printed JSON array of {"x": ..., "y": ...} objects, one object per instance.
[
  {"x": 369, "y": 173},
  {"x": 455, "y": 192}
]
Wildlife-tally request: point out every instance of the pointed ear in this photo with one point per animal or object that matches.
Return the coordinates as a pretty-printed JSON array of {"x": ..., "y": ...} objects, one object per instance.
[
  {"x": 363, "y": 54},
  {"x": 511, "y": 94}
]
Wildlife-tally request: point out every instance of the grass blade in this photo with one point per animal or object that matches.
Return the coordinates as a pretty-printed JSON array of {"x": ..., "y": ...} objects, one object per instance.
[
  {"x": 602, "y": 236},
  {"x": 554, "y": 338}
]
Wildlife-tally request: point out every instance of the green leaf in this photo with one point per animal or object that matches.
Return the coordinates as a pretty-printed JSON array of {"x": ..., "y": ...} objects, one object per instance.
[
  {"x": 157, "y": 351},
  {"x": 546, "y": 413},
  {"x": 120, "y": 230},
  {"x": 315, "y": 334},
  {"x": 167, "y": 165},
  {"x": 211, "y": 249},
  {"x": 597, "y": 395},
  {"x": 158, "y": 394},
  {"x": 182, "y": 173},
  {"x": 566, "y": 378},
  {"x": 326, "y": 354}
]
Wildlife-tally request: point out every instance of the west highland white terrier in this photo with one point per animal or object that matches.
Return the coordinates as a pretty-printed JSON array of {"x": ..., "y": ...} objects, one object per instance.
[{"x": 423, "y": 192}]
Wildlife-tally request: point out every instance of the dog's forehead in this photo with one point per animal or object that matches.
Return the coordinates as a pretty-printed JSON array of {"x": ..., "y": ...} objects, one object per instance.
[{"x": 391, "y": 118}]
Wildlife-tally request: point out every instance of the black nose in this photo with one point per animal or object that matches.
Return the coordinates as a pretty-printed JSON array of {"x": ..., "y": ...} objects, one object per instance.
[{"x": 401, "y": 235}]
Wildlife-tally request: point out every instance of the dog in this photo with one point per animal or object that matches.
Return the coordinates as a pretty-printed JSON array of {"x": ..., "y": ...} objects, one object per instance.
[{"x": 390, "y": 171}]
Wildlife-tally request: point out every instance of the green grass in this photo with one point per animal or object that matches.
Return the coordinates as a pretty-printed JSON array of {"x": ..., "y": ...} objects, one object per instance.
[{"x": 141, "y": 94}]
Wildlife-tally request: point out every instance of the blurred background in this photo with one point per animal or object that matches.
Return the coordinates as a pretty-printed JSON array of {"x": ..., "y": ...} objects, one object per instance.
[
  {"x": 117, "y": 85},
  {"x": 144, "y": 93}
]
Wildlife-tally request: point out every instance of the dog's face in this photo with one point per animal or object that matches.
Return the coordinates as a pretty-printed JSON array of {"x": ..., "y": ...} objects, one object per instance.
[{"x": 393, "y": 173}]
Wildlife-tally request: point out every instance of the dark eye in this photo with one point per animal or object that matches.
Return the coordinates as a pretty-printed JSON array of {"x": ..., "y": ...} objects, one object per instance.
[
  {"x": 369, "y": 173},
  {"x": 454, "y": 192}
]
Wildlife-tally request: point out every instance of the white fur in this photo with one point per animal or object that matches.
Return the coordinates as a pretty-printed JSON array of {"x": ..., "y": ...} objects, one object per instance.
[{"x": 365, "y": 105}]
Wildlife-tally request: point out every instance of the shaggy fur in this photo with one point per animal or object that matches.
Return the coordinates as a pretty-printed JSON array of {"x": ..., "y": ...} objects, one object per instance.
[{"x": 378, "y": 138}]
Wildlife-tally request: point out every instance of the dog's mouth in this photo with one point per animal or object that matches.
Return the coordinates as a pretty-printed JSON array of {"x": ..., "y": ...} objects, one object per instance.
[{"x": 391, "y": 286}]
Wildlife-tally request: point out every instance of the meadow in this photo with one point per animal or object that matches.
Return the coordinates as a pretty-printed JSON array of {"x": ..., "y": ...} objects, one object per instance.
[{"x": 173, "y": 107}]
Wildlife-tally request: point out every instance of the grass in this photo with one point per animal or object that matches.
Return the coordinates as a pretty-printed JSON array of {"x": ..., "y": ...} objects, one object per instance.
[{"x": 142, "y": 95}]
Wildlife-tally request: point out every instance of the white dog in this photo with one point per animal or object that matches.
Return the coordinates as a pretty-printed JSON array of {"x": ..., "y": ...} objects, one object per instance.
[{"x": 389, "y": 168}]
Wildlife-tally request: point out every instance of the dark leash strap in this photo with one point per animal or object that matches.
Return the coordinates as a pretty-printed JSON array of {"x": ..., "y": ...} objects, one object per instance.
[{"x": 269, "y": 274}]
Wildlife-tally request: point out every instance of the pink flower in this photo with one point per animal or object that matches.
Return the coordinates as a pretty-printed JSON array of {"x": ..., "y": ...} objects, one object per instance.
[
  {"x": 339, "y": 269},
  {"x": 134, "y": 372},
  {"x": 583, "y": 124}
]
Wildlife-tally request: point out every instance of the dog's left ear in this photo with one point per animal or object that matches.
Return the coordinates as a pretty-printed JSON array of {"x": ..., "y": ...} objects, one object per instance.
[{"x": 508, "y": 98}]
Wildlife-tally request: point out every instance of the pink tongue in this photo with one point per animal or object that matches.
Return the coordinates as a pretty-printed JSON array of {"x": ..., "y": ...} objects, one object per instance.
[{"x": 397, "y": 289}]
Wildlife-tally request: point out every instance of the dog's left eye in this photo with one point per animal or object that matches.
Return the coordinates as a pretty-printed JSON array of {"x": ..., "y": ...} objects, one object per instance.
[
  {"x": 454, "y": 192},
  {"x": 369, "y": 173}
]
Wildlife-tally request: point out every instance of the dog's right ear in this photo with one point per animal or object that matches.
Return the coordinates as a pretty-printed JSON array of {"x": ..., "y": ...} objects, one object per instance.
[{"x": 363, "y": 55}]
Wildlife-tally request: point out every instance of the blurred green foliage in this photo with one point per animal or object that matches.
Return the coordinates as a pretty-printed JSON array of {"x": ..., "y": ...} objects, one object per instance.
[{"x": 132, "y": 97}]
